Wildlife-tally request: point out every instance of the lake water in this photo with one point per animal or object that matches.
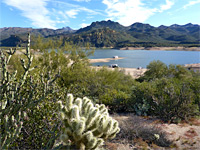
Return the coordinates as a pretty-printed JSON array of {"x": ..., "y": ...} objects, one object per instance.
[{"x": 141, "y": 58}]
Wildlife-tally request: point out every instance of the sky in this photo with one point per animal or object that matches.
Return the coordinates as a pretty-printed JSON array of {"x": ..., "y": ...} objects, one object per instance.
[{"x": 77, "y": 14}]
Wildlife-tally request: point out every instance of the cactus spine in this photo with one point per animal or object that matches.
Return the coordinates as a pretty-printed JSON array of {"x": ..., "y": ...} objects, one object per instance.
[{"x": 86, "y": 125}]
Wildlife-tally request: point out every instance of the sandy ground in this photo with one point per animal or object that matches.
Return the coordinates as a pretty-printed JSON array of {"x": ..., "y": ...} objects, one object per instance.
[
  {"x": 103, "y": 60},
  {"x": 134, "y": 72},
  {"x": 183, "y": 135}
]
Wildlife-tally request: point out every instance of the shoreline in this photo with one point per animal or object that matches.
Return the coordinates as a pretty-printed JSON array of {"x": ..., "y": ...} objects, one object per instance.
[
  {"x": 103, "y": 60},
  {"x": 133, "y": 72},
  {"x": 162, "y": 48}
]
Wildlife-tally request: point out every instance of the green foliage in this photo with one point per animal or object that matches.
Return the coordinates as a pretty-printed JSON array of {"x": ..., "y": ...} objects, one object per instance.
[
  {"x": 170, "y": 91},
  {"x": 169, "y": 99},
  {"x": 86, "y": 126},
  {"x": 20, "y": 96},
  {"x": 41, "y": 127},
  {"x": 157, "y": 70},
  {"x": 175, "y": 100}
]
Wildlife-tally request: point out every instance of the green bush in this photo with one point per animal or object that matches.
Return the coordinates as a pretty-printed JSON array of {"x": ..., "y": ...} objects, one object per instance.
[
  {"x": 169, "y": 99},
  {"x": 175, "y": 100},
  {"x": 157, "y": 70}
]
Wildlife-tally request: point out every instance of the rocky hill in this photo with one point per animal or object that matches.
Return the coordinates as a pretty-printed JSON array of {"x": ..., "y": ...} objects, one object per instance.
[{"x": 112, "y": 34}]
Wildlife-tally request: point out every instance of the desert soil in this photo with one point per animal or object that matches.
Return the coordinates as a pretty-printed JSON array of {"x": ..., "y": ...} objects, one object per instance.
[{"x": 134, "y": 129}]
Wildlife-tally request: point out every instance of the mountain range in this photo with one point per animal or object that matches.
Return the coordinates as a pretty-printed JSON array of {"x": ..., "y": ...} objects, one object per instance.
[{"x": 111, "y": 34}]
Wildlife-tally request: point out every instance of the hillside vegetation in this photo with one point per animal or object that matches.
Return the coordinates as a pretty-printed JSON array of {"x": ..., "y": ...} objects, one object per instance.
[{"x": 112, "y": 34}]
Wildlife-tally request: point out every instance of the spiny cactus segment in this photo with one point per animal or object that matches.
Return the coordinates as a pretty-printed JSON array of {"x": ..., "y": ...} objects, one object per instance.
[{"x": 86, "y": 125}]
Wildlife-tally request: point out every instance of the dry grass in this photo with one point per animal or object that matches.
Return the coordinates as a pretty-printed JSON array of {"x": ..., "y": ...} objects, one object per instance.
[
  {"x": 138, "y": 133},
  {"x": 150, "y": 133}
]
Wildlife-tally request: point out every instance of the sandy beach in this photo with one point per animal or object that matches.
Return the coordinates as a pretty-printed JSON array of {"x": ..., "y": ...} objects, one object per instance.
[{"x": 103, "y": 60}]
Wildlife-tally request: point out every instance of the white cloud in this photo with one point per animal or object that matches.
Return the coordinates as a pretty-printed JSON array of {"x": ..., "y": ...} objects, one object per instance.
[
  {"x": 191, "y": 3},
  {"x": 166, "y": 6},
  {"x": 127, "y": 12},
  {"x": 72, "y": 13},
  {"x": 82, "y": 25},
  {"x": 35, "y": 11}
]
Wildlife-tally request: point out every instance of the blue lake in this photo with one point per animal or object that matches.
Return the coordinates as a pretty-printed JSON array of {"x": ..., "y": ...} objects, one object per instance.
[{"x": 141, "y": 58}]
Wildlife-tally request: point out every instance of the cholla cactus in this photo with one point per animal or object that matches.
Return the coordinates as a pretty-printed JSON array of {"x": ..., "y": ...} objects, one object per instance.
[
  {"x": 11, "y": 107},
  {"x": 86, "y": 126},
  {"x": 18, "y": 96}
]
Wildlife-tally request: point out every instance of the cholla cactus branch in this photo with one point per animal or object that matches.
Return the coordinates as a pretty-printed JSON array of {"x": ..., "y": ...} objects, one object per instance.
[
  {"x": 10, "y": 53},
  {"x": 85, "y": 125},
  {"x": 30, "y": 59},
  {"x": 18, "y": 96}
]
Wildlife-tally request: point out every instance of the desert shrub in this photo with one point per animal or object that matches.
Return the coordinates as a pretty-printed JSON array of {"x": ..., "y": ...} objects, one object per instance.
[
  {"x": 141, "y": 101},
  {"x": 175, "y": 100},
  {"x": 157, "y": 70},
  {"x": 178, "y": 72},
  {"x": 102, "y": 85},
  {"x": 169, "y": 99},
  {"x": 194, "y": 83},
  {"x": 152, "y": 134},
  {"x": 114, "y": 89},
  {"x": 41, "y": 127},
  {"x": 169, "y": 92},
  {"x": 136, "y": 130}
]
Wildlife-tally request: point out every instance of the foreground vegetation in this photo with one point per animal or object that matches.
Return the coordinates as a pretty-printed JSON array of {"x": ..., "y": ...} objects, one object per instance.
[{"x": 32, "y": 87}]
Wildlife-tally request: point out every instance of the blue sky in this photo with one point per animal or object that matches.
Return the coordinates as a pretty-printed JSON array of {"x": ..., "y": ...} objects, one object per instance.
[{"x": 80, "y": 13}]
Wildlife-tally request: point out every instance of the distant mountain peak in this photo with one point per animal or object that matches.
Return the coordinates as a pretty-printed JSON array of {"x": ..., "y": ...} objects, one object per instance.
[
  {"x": 175, "y": 25},
  {"x": 103, "y": 24},
  {"x": 67, "y": 28},
  {"x": 139, "y": 24}
]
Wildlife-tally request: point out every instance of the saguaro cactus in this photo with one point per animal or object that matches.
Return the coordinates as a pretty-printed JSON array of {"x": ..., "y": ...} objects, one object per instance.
[{"x": 86, "y": 125}]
